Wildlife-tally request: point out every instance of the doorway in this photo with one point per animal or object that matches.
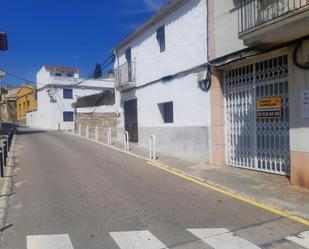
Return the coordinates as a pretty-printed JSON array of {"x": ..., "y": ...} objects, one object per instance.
[{"x": 131, "y": 119}]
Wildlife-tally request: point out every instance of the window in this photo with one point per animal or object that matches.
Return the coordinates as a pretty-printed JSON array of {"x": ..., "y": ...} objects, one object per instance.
[
  {"x": 161, "y": 38},
  {"x": 68, "y": 93},
  {"x": 58, "y": 74},
  {"x": 69, "y": 75},
  {"x": 68, "y": 116},
  {"x": 167, "y": 112}
]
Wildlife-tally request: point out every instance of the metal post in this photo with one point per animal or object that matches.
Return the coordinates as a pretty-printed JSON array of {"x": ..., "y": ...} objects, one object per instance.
[
  {"x": 126, "y": 141},
  {"x": 87, "y": 131},
  {"x": 1, "y": 164},
  {"x": 109, "y": 136},
  {"x": 80, "y": 129},
  {"x": 128, "y": 148},
  {"x": 152, "y": 147},
  {"x": 4, "y": 151},
  {"x": 7, "y": 146},
  {"x": 10, "y": 138},
  {"x": 96, "y": 133}
]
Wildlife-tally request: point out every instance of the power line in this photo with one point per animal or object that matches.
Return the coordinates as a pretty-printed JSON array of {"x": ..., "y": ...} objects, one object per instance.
[
  {"x": 18, "y": 77},
  {"x": 102, "y": 66}
]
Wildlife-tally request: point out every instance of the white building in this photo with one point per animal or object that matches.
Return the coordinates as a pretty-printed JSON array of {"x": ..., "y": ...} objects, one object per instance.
[
  {"x": 58, "y": 89},
  {"x": 160, "y": 69},
  {"x": 261, "y": 85}
]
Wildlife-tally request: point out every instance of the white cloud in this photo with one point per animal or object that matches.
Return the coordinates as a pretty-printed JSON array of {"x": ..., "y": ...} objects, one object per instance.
[{"x": 154, "y": 5}]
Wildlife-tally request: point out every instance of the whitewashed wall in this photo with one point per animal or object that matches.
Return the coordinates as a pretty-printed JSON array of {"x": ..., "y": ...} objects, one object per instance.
[
  {"x": 299, "y": 81},
  {"x": 44, "y": 77},
  {"x": 225, "y": 25},
  {"x": 186, "y": 47},
  {"x": 185, "y": 43},
  {"x": 50, "y": 115}
]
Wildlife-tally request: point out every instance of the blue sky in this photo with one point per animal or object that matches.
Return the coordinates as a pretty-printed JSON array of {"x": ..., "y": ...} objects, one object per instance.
[{"x": 53, "y": 32}]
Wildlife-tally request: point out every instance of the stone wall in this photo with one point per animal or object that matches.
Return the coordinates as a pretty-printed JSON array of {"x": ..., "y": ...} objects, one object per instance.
[{"x": 101, "y": 120}]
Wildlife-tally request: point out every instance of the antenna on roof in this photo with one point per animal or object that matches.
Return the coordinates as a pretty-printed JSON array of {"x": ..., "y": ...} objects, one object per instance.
[{"x": 76, "y": 58}]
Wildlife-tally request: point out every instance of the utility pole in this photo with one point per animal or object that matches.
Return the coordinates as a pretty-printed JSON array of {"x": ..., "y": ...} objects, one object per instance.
[
  {"x": 2, "y": 74},
  {"x": 3, "y": 47}
]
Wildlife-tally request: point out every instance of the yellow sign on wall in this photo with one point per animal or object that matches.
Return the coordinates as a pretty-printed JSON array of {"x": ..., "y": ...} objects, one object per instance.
[{"x": 269, "y": 108}]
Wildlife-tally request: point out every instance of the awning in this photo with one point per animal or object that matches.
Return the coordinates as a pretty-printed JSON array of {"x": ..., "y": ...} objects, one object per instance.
[{"x": 99, "y": 99}]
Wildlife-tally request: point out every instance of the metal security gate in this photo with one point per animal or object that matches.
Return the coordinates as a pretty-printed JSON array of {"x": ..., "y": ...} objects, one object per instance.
[{"x": 253, "y": 142}]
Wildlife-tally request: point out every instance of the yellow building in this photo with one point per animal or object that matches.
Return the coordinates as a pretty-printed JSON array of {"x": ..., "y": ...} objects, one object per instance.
[{"x": 26, "y": 101}]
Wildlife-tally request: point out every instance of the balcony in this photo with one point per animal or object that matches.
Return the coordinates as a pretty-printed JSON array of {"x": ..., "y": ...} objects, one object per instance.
[
  {"x": 63, "y": 78},
  {"x": 125, "y": 76},
  {"x": 264, "y": 23}
]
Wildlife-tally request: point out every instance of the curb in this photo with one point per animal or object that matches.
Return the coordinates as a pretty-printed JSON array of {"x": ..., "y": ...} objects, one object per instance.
[
  {"x": 7, "y": 186},
  {"x": 209, "y": 184}
]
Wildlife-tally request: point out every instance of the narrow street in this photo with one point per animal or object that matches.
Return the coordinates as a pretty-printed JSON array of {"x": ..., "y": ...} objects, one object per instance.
[{"x": 97, "y": 198}]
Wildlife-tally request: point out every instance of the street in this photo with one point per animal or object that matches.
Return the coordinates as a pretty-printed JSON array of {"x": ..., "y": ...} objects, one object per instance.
[{"x": 73, "y": 193}]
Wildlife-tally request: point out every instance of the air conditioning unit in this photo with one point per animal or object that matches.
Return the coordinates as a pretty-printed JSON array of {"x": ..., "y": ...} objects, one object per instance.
[{"x": 202, "y": 76}]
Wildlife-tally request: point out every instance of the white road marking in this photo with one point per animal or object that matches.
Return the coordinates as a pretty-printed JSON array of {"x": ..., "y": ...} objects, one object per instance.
[
  {"x": 137, "y": 240},
  {"x": 301, "y": 239},
  {"x": 221, "y": 238},
  {"x": 58, "y": 241}
]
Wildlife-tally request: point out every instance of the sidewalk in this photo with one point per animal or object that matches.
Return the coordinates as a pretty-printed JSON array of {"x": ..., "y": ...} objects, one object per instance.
[{"x": 270, "y": 189}]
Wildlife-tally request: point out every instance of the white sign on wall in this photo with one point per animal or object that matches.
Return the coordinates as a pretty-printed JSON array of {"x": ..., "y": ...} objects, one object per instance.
[{"x": 304, "y": 105}]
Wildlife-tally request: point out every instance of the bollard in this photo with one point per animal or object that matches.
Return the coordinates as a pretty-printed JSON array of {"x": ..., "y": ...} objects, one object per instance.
[
  {"x": 126, "y": 141},
  {"x": 4, "y": 150},
  {"x": 109, "y": 136},
  {"x": 152, "y": 147},
  {"x": 1, "y": 164},
  {"x": 96, "y": 134},
  {"x": 7, "y": 146},
  {"x": 87, "y": 131},
  {"x": 80, "y": 130},
  {"x": 10, "y": 138}
]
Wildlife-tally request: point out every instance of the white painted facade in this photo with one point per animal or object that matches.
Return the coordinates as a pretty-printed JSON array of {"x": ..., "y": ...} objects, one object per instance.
[
  {"x": 185, "y": 48},
  {"x": 279, "y": 35},
  {"x": 225, "y": 28},
  {"x": 52, "y": 104}
]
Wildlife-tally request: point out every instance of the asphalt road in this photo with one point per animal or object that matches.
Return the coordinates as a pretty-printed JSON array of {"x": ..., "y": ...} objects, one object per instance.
[{"x": 73, "y": 193}]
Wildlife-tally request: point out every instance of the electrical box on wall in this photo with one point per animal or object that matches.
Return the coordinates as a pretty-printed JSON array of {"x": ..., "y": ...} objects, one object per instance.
[{"x": 202, "y": 76}]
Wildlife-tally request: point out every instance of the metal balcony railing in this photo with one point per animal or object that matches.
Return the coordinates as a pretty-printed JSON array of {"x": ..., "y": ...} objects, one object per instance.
[
  {"x": 253, "y": 13},
  {"x": 125, "y": 73}
]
